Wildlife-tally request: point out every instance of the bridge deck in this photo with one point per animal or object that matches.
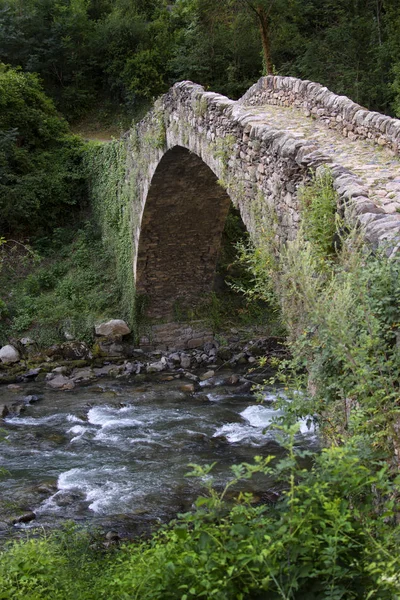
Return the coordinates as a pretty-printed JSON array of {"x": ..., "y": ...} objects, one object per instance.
[{"x": 377, "y": 167}]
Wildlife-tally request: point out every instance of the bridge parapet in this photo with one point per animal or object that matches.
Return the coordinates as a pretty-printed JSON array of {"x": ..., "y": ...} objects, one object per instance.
[{"x": 336, "y": 112}]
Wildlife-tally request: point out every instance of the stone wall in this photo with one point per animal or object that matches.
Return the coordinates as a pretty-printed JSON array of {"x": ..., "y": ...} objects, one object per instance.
[
  {"x": 176, "y": 336},
  {"x": 337, "y": 112}
]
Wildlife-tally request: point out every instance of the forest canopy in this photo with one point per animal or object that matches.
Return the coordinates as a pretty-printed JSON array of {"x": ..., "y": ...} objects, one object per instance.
[{"x": 126, "y": 52}]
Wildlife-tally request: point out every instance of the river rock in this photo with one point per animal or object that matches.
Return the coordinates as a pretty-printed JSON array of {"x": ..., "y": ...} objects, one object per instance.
[
  {"x": 130, "y": 367},
  {"x": 156, "y": 367},
  {"x": 54, "y": 352},
  {"x": 207, "y": 375},
  {"x": 232, "y": 379},
  {"x": 9, "y": 354},
  {"x": 25, "y": 518},
  {"x": 187, "y": 388},
  {"x": 32, "y": 398},
  {"x": 60, "y": 370},
  {"x": 82, "y": 375},
  {"x": 113, "y": 328},
  {"x": 75, "y": 350},
  {"x": 112, "y": 536},
  {"x": 4, "y": 411},
  {"x": 17, "y": 408},
  {"x": 175, "y": 358},
  {"x": 67, "y": 497},
  {"x": 14, "y": 387},
  {"x": 32, "y": 373},
  {"x": 185, "y": 361},
  {"x": 102, "y": 371},
  {"x": 191, "y": 376},
  {"x": 60, "y": 382}
]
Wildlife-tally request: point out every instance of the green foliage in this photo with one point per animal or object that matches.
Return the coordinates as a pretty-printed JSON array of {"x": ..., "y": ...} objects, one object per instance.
[
  {"x": 67, "y": 287},
  {"x": 112, "y": 200},
  {"x": 89, "y": 51},
  {"x": 65, "y": 565},
  {"x": 343, "y": 327},
  {"x": 86, "y": 49},
  {"x": 324, "y": 539},
  {"x": 318, "y": 202},
  {"x": 342, "y": 317},
  {"x": 40, "y": 161},
  {"x": 330, "y": 535}
]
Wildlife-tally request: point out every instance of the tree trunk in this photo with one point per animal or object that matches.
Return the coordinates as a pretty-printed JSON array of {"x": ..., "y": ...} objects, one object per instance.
[{"x": 264, "y": 30}]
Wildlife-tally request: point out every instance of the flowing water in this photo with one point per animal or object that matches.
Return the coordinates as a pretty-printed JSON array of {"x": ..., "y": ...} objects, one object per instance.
[{"x": 115, "y": 454}]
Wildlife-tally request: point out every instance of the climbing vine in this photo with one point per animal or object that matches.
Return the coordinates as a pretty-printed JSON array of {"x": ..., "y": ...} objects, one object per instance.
[{"x": 111, "y": 199}]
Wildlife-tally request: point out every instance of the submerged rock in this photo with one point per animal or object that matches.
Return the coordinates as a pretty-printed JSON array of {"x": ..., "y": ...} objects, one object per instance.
[
  {"x": 188, "y": 388},
  {"x": 207, "y": 375}
]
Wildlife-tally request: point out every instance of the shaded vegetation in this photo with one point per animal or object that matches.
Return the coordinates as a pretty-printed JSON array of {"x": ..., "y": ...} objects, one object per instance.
[
  {"x": 63, "y": 284},
  {"x": 41, "y": 178}
]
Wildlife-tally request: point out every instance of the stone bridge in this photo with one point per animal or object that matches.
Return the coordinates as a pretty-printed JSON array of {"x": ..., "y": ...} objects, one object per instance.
[{"x": 197, "y": 151}]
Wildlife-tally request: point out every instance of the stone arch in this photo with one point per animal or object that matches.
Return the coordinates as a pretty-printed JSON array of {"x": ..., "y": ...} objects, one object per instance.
[
  {"x": 261, "y": 154},
  {"x": 181, "y": 227}
]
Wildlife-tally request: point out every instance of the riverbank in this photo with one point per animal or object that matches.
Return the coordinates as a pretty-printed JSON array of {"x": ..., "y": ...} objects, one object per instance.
[{"x": 71, "y": 364}]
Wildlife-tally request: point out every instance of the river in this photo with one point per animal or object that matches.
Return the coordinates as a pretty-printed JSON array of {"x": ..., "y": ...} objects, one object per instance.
[{"x": 115, "y": 453}]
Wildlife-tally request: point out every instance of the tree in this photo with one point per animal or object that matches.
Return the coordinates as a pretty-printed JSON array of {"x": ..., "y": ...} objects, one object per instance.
[
  {"x": 40, "y": 174},
  {"x": 270, "y": 16}
]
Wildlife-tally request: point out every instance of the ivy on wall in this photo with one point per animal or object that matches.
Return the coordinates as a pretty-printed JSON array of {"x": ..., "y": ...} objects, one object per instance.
[{"x": 111, "y": 198}]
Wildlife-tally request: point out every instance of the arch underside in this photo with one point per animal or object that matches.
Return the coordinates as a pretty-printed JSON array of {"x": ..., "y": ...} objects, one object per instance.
[{"x": 182, "y": 225}]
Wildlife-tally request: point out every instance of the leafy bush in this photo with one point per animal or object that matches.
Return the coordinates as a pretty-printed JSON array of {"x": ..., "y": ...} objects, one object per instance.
[
  {"x": 318, "y": 202},
  {"x": 67, "y": 289},
  {"x": 40, "y": 161},
  {"x": 324, "y": 539}
]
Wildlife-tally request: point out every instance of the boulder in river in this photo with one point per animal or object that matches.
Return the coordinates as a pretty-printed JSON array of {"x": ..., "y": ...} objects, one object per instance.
[
  {"x": 61, "y": 383},
  {"x": 9, "y": 354},
  {"x": 113, "y": 328}
]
